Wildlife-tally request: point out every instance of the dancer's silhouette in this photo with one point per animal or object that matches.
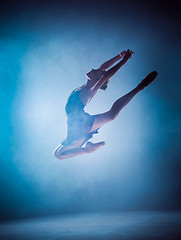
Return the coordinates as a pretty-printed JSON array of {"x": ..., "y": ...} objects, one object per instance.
[{"x": 80, "y": 125}]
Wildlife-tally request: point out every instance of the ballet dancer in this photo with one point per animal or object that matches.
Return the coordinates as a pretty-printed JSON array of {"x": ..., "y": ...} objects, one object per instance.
[{"x": 80, "y": 125}]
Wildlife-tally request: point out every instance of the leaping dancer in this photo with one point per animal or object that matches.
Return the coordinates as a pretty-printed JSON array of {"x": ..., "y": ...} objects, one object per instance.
[{"x": 80, "y": 125}]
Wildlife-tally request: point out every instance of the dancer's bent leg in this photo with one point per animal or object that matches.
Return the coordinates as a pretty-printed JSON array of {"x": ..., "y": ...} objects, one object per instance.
[{"x": 63, "y": 152}]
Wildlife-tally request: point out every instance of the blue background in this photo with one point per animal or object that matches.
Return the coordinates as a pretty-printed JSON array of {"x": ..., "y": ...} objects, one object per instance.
[{"x": 45, "y": 50}]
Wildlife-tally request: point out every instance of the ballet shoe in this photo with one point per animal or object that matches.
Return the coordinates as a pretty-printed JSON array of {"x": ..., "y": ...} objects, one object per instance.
[{"x": 147, "y": 80}]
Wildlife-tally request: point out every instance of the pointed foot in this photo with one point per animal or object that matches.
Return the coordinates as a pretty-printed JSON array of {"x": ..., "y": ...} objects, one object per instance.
[{"x": 148, "y": 80}]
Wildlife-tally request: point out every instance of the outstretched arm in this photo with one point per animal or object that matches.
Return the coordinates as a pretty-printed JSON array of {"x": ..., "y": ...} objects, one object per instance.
[
  {"x": 102, "y": 83},
  {"x": 110, "y": 62},
  {"x": 113, "y": 70},
  {"x": 126, "y": 55}
]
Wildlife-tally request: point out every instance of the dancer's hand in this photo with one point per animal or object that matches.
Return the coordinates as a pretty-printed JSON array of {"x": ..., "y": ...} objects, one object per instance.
[
  {"x": 122, "y": 54},
  {"x": 128, "y": 54}
]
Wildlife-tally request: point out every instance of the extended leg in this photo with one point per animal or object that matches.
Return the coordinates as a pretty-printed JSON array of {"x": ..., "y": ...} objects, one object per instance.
[
  {"x": 110, "y": 115},
  {"x": 106, "y": 117}
]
